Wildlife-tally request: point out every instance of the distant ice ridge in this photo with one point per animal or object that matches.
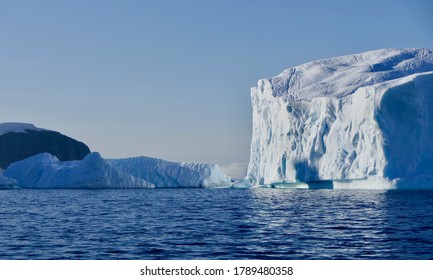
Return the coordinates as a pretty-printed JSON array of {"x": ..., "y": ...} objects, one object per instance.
[
  {"x": 46, "y": 171},
  {"x": 17, "y": 127},
  {"x": 355, "y": 121},
  {"x": 163, "y": 173}
]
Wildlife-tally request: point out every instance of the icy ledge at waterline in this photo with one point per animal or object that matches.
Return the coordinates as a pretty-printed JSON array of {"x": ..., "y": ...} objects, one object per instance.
[
  {"x": 7, "y": 183},
  {"x": 355, "y": 121},
  {"x": 46, "y": 171}
]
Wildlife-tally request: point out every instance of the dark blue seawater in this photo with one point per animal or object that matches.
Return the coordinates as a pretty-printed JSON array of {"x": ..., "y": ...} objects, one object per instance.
[{"x": 216, "y": 224}]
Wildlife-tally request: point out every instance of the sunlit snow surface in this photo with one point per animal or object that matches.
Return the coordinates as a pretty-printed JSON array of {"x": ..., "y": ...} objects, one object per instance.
[{"x": 359, "y": 121}]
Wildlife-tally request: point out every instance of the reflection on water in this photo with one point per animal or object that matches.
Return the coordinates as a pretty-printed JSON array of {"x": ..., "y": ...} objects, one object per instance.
[{"x": 216, "y": 224}]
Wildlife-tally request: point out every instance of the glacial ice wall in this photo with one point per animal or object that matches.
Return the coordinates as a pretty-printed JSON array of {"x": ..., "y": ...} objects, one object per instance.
[{"x": 352, "y": 119}]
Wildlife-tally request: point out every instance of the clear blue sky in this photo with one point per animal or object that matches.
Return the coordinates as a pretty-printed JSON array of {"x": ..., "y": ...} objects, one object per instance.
[{"x": 171, "y": 79}]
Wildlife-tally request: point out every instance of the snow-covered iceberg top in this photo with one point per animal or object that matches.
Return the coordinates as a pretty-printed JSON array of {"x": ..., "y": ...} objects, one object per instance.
[
  {"x": 46, "y": 171},
  {"x": 17, "y": 127},
  {"x": 361, "y": 120},
  {"x": 164, "y": 173},
  {"x": 343, "y": 75}
]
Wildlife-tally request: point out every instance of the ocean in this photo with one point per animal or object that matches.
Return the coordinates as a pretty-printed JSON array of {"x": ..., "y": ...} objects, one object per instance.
[{"x": 215, "y": 224}]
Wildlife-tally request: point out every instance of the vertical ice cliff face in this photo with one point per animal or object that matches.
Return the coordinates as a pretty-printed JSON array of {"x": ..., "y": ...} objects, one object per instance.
[{"x": 351, "y": 119}]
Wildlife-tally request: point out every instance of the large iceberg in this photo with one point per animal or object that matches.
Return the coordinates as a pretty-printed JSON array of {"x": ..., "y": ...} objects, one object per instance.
[
  {"x": 363, "y": 120},
  {"x": 46, "y": 171},
  {"x": 163, "y": 173}
]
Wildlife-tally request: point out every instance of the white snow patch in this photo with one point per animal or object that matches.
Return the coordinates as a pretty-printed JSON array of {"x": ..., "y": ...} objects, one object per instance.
[{"x": 17, "y": 127}]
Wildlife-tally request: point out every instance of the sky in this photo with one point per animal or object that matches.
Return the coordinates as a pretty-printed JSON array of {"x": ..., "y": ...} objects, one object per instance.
[{"x": 172, "y": 79}]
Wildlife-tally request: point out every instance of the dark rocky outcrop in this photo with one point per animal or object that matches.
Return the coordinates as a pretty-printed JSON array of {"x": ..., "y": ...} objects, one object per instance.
[{"x": 17, "y": 146}]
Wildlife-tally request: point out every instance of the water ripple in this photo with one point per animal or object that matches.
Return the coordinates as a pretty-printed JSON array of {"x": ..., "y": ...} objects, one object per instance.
[{"x": 215, "y": 224}]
